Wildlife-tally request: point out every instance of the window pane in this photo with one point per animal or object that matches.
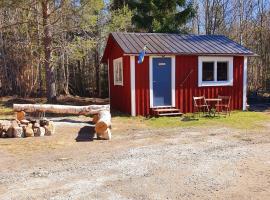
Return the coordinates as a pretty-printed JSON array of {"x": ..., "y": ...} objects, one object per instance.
[
  {"x": 208, "y": 71},
  {"x": 222, "y": 71},
  {"x": 120, "y": 72}
]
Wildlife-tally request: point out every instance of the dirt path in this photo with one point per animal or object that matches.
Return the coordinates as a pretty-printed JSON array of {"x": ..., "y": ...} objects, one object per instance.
[{"x": 180, "y": 163}]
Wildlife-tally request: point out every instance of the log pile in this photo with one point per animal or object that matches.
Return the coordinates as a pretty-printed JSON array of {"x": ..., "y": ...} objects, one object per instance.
[
  {"x": 26, "y": 128},
  {"x": 65, "y": 109},
  {"x": 102, "y": 117}
]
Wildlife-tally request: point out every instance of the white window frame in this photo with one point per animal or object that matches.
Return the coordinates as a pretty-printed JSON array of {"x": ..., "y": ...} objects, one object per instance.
[
  {"x": 116, "y": 63},
  {"x": 215, "y": 60}
]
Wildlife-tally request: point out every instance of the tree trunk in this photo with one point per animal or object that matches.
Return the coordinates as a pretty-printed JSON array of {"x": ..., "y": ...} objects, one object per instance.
[
  {"x": 47, "y": 44},
  {"x": 66, "y": 90},
  {"x": 81, "y": 110},
  {"x": 97, "y": 69}
]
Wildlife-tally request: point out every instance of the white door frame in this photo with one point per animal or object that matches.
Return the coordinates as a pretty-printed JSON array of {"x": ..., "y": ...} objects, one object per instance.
[
  {"x": 245, "y": 83},
  {"x": 133, "y": 85},
  {"x": 151, "y": 79}
]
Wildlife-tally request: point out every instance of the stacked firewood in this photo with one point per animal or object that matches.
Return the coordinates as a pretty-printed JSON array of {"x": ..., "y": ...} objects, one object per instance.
[
  {"x": 26, "y": 128},
  {"x": 102, "y": 115}
]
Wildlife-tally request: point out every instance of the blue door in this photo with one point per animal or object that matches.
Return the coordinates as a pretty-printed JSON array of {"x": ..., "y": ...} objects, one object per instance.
[{"x": 162, "y": 86}]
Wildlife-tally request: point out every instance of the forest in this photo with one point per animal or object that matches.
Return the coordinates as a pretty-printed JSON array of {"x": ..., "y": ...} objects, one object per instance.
[{"x": 54, "y": 47}]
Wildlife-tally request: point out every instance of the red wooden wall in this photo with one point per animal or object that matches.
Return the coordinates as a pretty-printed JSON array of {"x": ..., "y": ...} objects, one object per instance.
[
  {"x": 119, "y": 95},
  {"x": 142, "y": 87},
  {"x": 185, "y": 92}
]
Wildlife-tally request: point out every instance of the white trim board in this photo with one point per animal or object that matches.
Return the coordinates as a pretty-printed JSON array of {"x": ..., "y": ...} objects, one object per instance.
[
  {"x": 109, "y": 81},
  {"x": 151, "y": 79},
  {"x": 215, "y": 59},
  {"x": 132, "y": 86},
  {"x": 245, "y": 84}
]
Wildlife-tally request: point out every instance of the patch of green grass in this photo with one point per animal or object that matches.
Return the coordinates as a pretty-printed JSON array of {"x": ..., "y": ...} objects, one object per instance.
[
  {"x": 241, "y": 120},
  {"x": 238, "y": 119},
  {"x": 5, "y": 112}
]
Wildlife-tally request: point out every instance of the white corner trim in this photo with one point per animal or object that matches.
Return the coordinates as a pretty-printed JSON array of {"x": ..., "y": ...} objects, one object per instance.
[
  {"x": 173, "y": 81},
  {"x": 132, "y": 86},
  {"x": 215, "y": 59},
  {"x": 151, "y": 79},
  {"x": 245, "y": 84},
  {"x": 109, "y": 83}
]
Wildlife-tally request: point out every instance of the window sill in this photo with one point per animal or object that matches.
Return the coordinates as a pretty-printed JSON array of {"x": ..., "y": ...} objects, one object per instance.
[
  {"x": 118, "y": 84},
  {"x": 220, "y": 83}
]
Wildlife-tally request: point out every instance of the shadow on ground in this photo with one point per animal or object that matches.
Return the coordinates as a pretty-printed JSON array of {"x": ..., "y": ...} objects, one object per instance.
[
  {"x": 86, "y": 134},
  {"x": 260, "y": 107},
  {"x": 73, "y": 121}
]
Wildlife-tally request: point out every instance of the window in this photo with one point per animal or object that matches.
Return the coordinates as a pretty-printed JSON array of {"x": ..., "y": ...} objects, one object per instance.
[
  {"x": 222, "y": 71},
  {"x": 118, "y": 71},
  {"x": 208, "y": 71},
  {"x": 215, "y": 71}
]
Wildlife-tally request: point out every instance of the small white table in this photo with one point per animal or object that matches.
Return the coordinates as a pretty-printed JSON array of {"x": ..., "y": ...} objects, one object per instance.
[{"x": 212, "y": 109}]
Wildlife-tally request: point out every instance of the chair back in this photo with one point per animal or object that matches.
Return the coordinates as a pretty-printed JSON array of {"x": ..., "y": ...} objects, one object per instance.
[
  {"x": 198, "y": 101},
  {"x": 225, "y": 100}
]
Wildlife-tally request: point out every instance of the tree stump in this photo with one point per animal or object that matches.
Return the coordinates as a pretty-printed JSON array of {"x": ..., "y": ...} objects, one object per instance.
[
  {"x": 20, "y": 115},
  {"x": 49, "y": 129},
  {"x": 103, "y": 125},
  {"x": 44, "y": 122},
  {"x": 18, "y": 132},
  {"x": 106, "y": 135},
  {"x": 28, "y": 131},
  {"x": 40, "y": 132}
]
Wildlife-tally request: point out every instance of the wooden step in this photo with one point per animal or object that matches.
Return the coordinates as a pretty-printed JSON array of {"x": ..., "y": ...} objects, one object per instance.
[
  {"x": 166, "y": 110},
  {"x": 170, "y": 114}
]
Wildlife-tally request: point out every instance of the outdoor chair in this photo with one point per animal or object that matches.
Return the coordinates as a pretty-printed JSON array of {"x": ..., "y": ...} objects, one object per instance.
[
  {"x": 200, "y": 105},
  {"x": 223, "y": 106}
]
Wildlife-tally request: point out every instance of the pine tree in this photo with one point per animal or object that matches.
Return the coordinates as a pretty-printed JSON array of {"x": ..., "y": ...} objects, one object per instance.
[{"x": 158, "y": 15}]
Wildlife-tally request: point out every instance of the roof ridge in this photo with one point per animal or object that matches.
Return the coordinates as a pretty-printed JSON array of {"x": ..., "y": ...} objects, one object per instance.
[
  {"x": 174, "y": 43},
  {"x": 184, "y": 34}
]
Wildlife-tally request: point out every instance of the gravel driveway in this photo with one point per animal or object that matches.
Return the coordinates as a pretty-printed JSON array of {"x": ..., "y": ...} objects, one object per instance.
[{"x": 179, "y": 163}]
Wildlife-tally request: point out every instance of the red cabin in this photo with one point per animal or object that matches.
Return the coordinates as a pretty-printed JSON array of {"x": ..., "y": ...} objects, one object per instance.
[{"x": 175, "y": 68}]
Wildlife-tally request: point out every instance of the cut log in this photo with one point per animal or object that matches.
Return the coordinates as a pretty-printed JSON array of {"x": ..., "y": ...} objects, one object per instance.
[
  {"x": 66, "y": 109},
  {"x": 49, "y": 129},
  {"x": 95, "y": 119},
  {"x": 44, "y": 122},
  {"x": 107, "y": 135},
  {"x": 20, "y": 115},
  {"x": 36, "y": 125},
  {"x": 40, "y": 132},
  {"x": 104, "y": 122},
  {"x": 18, "y": 132},
  {"x": 5, "y": 124},
  {"x": 11, "y": 129},
  {"x": 28, "y": 131},
  {"x": 24, "y": 121},
  {"x": 9, "y": 132},
  {"x": 1, "y": 130}
]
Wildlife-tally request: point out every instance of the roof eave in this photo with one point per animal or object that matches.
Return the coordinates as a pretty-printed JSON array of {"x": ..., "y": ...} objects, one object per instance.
[{"x": 193, "y": 54}]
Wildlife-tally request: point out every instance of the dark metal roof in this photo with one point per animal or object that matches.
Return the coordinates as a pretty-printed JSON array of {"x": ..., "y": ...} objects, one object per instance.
[{"x": 163, "y": 43}]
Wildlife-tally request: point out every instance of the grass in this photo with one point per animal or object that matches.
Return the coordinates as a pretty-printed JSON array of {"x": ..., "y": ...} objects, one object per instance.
[
  {"x": 5, "y": 112},
  {"x": 238, "y": 119}
]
